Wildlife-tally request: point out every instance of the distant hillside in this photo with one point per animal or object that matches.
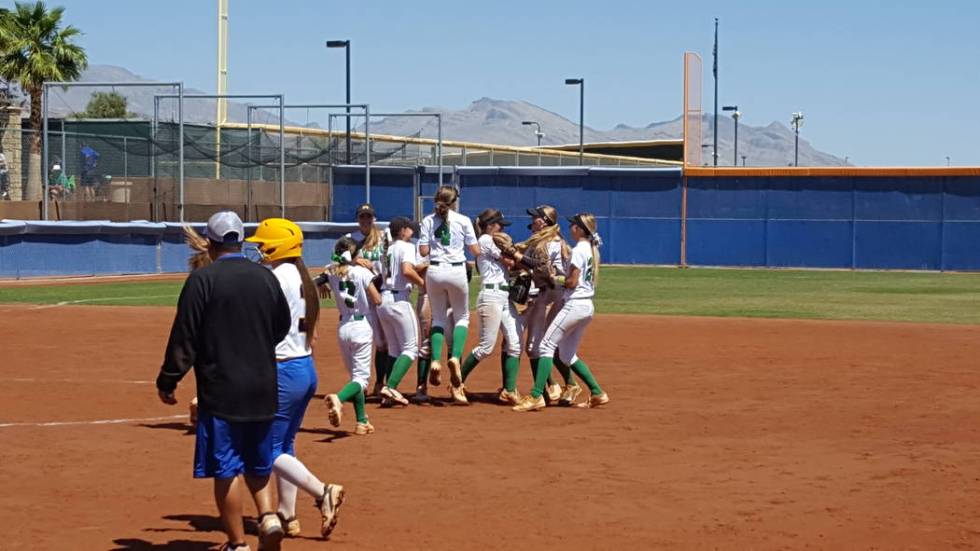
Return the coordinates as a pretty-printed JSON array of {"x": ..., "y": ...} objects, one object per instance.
[{"x": 485, "y": 120}]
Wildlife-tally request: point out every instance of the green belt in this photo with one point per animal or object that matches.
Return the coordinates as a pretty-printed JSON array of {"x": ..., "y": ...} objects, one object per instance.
[
  {"x": 436, "y": 263},
  {"x": 501, "y": 286},
  {"x": 355, "y": 317}
]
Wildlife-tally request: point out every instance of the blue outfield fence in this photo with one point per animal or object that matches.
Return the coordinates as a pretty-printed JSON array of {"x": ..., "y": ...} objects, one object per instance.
[{"x": 925, "y": 219}]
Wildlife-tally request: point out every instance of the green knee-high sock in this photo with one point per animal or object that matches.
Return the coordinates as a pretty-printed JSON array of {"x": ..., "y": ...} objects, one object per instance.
[
  {"x": 423, "y": 369},
  {"x": 469, "y": 364},
  {"x": 512, "y": 365},
  {"x": 534, "y": 368},
  {"x": 565, "y": 372},
  {"x": 503, "y": 369},
  {"x": 459, "y": 340},
  {"x": 381, "y": 366},
  {"x": 438, "y": 338},
  {"x": 359, "y": 410},
  {"x": 541, "y": 379},
  {"x": 585, "y": 374},
  {"x": 399, "y": 369},
  {"x": 350, "y": 390}
]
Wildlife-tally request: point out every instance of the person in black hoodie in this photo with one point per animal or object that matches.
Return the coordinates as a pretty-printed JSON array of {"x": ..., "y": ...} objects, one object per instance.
[{"x": 230, "y": 316}]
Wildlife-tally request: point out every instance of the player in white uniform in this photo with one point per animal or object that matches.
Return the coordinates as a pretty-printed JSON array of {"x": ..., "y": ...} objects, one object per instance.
[
  {"x": 396, "y": 314},
  {"x": 424, "y": 311},
  {"x": 546, "y": 241},
  {"x": 354, "y": 293},
  {"x": 565, "y": 332},
  {"x": 494, "y": 308},
  {"x": 372, "y": 241},
  {"x": 444, "y": 237},
  {"x": 280, "y": 243}
]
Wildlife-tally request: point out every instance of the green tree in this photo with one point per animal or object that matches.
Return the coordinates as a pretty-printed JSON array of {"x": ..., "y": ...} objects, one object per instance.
[
  {"x": 106, "y": 105},
  {"x": 35, "y": 48}
]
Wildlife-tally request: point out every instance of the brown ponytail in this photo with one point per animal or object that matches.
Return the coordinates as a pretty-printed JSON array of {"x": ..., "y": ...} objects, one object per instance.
[{"x": 445, "y": 200}]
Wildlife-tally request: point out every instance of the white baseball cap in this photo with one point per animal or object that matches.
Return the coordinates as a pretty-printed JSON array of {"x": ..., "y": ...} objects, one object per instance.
[{"x": 225, "y": 227}]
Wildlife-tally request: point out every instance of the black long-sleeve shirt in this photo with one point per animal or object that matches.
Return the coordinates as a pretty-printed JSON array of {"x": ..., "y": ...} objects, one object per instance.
[{"x": 230, "y": 316}]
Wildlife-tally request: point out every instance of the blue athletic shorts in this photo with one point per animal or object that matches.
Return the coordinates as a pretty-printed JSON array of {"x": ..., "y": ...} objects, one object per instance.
[
  {"x": 226, "y": 449},
  {"x": 297, "y": 384}
]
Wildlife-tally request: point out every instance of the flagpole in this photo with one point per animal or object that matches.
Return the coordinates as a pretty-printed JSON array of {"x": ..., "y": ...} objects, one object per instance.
[{"x": 715, "y": 72}]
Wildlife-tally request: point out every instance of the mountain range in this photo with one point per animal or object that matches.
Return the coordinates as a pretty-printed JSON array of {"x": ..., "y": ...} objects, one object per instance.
[{"x": 485, "y": 120}]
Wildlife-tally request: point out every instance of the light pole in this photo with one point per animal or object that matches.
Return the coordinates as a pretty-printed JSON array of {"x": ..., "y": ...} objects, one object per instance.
[
  {"x": 537, "y": 132},
  {"x": 735, "y": 115},
  {"x": 947, "y": 160},
  {"x": 581, "y": 116},
  {"x": 714, "y": 71},
  {"x": 797, "y": 122},
  {"x": 743, "y": 160},
  {"x": 345, "y": 44}
]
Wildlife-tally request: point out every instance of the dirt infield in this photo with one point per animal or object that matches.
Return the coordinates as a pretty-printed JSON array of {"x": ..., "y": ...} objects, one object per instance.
[{"x": 722, "y": 433}]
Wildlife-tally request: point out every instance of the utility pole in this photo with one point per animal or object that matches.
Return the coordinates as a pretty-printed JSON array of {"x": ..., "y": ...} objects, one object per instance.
[{"x": 714, "y": 151}]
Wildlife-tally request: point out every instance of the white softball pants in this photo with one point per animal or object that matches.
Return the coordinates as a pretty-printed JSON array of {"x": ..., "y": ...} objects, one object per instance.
[
  {"x": 400, "y": 325},
  {"x": 354, "y": 338},
  {"x": 566, "y": 330},
  {"x": 379, "y": 333},
  {"x": 496, "y": 313},
  {"x": 424, "y": 311},
  {"x": 538, "y": 317},
  {"x": 447, "y": 288}
]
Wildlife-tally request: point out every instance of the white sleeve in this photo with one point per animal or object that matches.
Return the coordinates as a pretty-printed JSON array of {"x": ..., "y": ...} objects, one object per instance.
[
  {"x": 488, "y": 248},
  {"x": 408, "y": 254},
  {"x": 364, "y": 276},
  {"x": 469, "y": 235},
  {"x": 425, "y": 231},
  {"x": 578, "y": 259}
]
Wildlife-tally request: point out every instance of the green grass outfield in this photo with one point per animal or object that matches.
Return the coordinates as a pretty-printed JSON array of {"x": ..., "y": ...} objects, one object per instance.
[{"x": 893, "y": 296}]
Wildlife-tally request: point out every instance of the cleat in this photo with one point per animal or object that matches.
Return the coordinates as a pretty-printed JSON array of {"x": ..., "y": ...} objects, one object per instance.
[
  {"x": 595, "y": 401},
  {"x": 508, "y": 397},
  {"x": 435, "y": 373},
  {"x": 270, "y": 532},
  {"x": 329, "y": 506},
  {"x": 459, "y": 395},
  {"x": 530, "y": 403},
  {"x": 455, "y": 375},
  {"x": 192, "y": 407},
  {"x": 569, "y": 395},
  {"x": 421, "y": 395},
  {"x": 363, "y": 428},
  {"x": 234, "y": 547},
  {"x": 335, "y": 411},
  {"x": 291, "y": 525},
  {"x": 394, "y": 396},
  {"x": 553, "y": 392}
]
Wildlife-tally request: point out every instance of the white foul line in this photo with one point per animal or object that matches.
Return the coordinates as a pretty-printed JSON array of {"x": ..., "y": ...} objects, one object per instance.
[
  {"x": 76, "y": 381},
  {"x": 98, "y": 299},
  {"x": 96, "y": 422}
]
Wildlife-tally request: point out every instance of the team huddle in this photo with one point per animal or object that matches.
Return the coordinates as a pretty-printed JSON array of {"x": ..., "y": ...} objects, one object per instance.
[
  {"x": 253, "y": 356},
  {"x": 538, "y": 294}
]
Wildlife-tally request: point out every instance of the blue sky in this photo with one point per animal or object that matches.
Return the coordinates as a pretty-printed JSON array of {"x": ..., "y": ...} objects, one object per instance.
[{"x": 885, "y": 83}]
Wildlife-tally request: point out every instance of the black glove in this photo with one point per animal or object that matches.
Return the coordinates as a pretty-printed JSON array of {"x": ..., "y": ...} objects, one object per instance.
[
  {"x": 378, "y": 281},
  {"x": 520, "y": 288}
]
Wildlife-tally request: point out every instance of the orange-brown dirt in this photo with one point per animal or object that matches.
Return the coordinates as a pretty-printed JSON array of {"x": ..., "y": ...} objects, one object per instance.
[{"x": 721, "y": 433}]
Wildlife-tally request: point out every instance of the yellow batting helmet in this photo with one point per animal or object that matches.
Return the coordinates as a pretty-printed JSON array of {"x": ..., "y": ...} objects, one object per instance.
[{"x": 278, "y": 239}]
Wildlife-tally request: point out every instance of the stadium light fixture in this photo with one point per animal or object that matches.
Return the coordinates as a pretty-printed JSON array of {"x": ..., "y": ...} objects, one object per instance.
[
  {"x": 581, "y": 116},
  {"x": 735, "y": 115},
  {"x": 797, "y": 122},
  {"x": 346, "y": 45},
  {"x": 537, "y": 132}
]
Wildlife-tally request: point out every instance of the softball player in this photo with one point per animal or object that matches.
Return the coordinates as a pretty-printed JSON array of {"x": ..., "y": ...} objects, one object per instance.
[
  {"x": 372, "y": 242},
  {"x": 443, "y": 238},
  {"x": 545, "y": 242},
  {"x": 565, "y": 332},
  {"x": 494, "y": 308},
  {"x": 280, "y": 242},
  {"x": 354, "y": 293},
  {"x": 397, "y": 317}
]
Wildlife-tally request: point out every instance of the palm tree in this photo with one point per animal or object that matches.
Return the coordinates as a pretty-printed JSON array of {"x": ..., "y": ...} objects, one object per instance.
[{"x": 34, "y": 48}]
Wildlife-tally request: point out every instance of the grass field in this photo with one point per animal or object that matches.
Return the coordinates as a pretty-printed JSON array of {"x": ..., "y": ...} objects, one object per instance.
[{"x": 893, "y": 296}]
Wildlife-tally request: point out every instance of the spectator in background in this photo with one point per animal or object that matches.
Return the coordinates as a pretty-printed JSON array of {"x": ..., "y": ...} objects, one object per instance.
[
  {"x": 90, "y": 161},
  {"x": 230, "y": 316},
  {"x": 4, "y": 178}
]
